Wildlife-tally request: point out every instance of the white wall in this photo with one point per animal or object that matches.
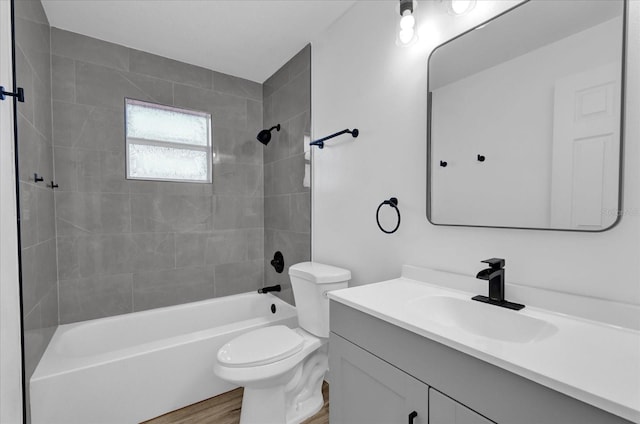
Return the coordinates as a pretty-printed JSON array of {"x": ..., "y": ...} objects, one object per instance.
[
  {"x": 10, "y": 361},
  {"x": 361, "y": 79}
]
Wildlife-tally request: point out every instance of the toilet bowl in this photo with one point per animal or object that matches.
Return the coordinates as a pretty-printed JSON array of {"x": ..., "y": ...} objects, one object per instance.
[{"x": 282, "y": 369}]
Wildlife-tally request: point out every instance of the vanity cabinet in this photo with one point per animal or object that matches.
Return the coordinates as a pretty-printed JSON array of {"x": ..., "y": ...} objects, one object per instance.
[
  {"x": 380, "y": 373},
  {"x": 366, "y": 389},
  {"x": 444, "y": 410}
]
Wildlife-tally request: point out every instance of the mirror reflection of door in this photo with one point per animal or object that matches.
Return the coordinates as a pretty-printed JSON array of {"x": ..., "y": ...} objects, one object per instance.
[{"x": 584, "y": 182}]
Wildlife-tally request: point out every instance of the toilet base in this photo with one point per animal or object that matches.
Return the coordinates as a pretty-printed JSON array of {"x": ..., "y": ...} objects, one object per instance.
[{"x": 290, "y": 402}]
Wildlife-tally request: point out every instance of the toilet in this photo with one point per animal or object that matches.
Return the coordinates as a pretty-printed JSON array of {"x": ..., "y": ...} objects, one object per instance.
[{"x": 282, "y": 369}]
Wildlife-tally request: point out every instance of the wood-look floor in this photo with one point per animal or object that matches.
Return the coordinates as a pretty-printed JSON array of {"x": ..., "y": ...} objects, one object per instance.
[{"x": 225, "y": 409}]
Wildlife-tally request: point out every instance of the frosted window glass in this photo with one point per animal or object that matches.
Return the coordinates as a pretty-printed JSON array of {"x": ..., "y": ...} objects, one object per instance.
[
  {"x": 155, "y": 122},
  {"x": 156, "y": 162},
  {"x": 167, "y": 143}
]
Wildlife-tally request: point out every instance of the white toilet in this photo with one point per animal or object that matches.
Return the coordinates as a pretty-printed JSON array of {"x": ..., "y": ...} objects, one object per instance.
[{"x": 282, "y": 369}]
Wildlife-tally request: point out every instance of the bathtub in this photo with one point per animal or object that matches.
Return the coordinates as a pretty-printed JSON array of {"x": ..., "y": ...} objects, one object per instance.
[{"x": 130, "y": 368}]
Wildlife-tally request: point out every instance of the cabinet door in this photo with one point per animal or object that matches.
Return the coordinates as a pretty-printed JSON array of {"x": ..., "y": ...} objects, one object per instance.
[
  {"x": 367, "y": 390},
  {"x": 444, "y": 410}
]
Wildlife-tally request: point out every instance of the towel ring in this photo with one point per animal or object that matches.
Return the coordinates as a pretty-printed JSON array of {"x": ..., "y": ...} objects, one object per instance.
[{"x": 393, "y": 202}]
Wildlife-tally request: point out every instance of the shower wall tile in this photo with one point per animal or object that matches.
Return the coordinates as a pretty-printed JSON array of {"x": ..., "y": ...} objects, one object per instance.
[
  {"x": 236, "y": 146},
  {"x": 94, "y": 255},
  {"x": 46, "y": 269},
  {"x": 49, "y": 310},
  {"x": 290, "y": 140},
  {"x": 100, "y": 171},
  {"x": 24, "y": 73},
  {"x": 226, "y": 110},
  {"x": 238, "y": 277},
  {"x": 28, "y": 214},
  {"x": 35, "y": 155},
  {"x": 69, "y": 120},
  {"x": 287, "y": 202},
  {"x": 293, "y": 98},
  {"x": 46, "y": 215},
  {"x": 30, "y": 293},
  {"x": 33, "y": 344},
  {"x": 168, "y": 69},
  {"x": 275, "y": 81},
  {"x": 156, "y": 289},
  {"x": 300, "y": 63},
  {"x": 95, "y": 297},
  {"x": 238, "y": 212},
  {"x": 219, "y": 247},
  {"x": 92, "y": 213},
  {"x": 66, "y": 160},
  {"x": 31, "y": 10},
  {"x": 34, "y": 151},
  {"x": 164, "y": 237},
  {"x": 107, "y": 254},
  {"x": 297, "y": 129},
  {"x": 177, "y": 213},
  {"x": 153, "y": 251},
  {"x": 300, "y": 212},
  {"x": 255, "y": 113},
  {"x": 240, "y": 87},
  {"x": 170, "y": 188},
  {"x": 285, "y": 176},
  {"x": 63, "y": 79},
  {"x": 238, "y": 179},
  {"x": 255, "y": 243},
  {"x": 87, "y": 49},
  {"x": 277, "y": 211},
  {"x": 101, "y": 86},
  {"x": 88, "y": 127},
  {"x": 34, "y": 41},
  {"x": 41, "y": 97}
]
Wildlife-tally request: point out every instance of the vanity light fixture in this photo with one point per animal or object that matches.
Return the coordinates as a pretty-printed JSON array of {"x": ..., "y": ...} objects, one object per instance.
[
  {"x": 407, "y": 33},
  {"x": 461, "y": 7}
]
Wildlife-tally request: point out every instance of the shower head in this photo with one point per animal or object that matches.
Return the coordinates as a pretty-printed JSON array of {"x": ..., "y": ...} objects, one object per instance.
[{"x": 264, "y": 136}]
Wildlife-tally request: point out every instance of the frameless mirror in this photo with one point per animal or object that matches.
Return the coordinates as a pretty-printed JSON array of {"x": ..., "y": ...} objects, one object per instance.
[{"x": 525, "y": 119}]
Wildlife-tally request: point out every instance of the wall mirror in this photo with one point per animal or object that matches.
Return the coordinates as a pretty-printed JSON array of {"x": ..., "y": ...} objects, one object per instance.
[{"x": 525, "y": 119}]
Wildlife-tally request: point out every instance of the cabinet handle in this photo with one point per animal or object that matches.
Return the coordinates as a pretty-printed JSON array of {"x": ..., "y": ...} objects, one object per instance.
[{"x": 412, "y": 416}]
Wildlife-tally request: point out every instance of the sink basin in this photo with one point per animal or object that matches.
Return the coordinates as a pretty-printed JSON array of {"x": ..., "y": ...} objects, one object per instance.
[{"x": 481, "y": 319}]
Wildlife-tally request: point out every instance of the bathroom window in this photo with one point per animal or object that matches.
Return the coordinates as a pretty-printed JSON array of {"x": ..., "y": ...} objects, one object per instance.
[{"x": 167, "y": 143}]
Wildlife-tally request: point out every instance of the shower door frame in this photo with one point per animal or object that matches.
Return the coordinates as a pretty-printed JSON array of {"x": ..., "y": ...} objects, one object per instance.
[{"x": 12, "y": 388}]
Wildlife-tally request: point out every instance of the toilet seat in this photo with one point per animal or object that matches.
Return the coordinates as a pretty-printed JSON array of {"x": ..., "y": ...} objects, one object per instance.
[{"x": 261, "y": 347}]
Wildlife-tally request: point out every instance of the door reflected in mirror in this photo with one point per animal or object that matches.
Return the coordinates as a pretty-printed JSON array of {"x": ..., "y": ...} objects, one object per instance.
[{"x": 526, "y": 112}]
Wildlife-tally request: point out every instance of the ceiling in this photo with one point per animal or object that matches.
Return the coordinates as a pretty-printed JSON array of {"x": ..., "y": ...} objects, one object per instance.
[{"x": 247, "y": 38}]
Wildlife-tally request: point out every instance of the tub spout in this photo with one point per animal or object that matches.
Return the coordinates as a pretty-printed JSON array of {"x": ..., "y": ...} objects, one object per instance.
[{"x": 275, "y": 288}]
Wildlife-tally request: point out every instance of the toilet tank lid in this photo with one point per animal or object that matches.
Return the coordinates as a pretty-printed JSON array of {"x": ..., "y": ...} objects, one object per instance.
[{"x": 319, "y": 273}]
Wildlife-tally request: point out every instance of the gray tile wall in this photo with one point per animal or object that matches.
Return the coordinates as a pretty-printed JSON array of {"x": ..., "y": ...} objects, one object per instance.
[
  {"x": 39, "y": 273},
  {"x": 287, "y": 202},
  {"x": 126, "y": 245}
]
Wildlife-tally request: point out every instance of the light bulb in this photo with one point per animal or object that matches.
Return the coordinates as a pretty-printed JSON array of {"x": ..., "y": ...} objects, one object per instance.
[
  {"x": 406, "y": 35},
  {"x": 408, "y": 21},
  {"x": 460, "y": 7}
]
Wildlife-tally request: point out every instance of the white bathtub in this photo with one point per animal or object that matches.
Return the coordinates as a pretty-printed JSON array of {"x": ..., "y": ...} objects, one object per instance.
[{"x": 133, "y": 367}]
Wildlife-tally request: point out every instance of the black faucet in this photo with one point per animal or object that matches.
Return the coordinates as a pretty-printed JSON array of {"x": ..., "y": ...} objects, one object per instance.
[
  {"x": 495, "y": 275},
  {"x": 275, "y": 288}
]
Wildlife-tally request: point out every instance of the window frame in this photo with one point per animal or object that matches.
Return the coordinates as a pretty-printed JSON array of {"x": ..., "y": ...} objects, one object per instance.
[{"x": 208, "y": 149}]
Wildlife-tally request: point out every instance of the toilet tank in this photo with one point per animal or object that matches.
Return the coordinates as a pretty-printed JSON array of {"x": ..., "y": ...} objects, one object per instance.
[{"x": 310, "y": 282}]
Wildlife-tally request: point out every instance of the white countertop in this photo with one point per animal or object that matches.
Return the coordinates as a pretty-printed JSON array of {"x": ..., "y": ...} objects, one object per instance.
[{"x": 591, "y": 361}]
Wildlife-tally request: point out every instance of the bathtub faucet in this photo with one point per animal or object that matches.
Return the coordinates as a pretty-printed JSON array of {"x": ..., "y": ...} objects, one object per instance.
[{"x": 275, "y": 288}]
